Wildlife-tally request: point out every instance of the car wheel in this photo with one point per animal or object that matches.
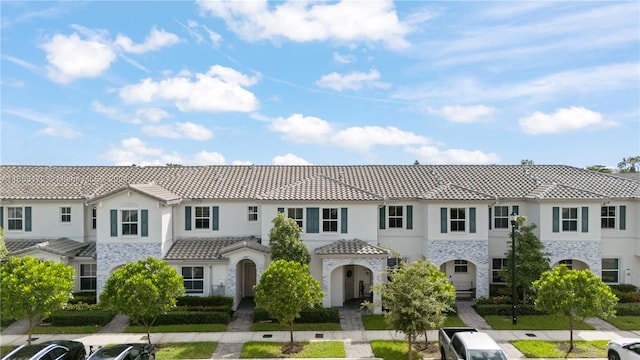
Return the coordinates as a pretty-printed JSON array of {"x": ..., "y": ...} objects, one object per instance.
[{"x": 613, "y": 355}]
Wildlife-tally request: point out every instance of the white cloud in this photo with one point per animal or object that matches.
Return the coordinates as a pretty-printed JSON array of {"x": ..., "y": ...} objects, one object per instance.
[
  {"x": 301, "y": 21},
  {"x": 466, "y": 114},
  {"x": 218, "y": 90},
  {"x": 156, "y": 40},
  {"x": 72, "y": 58},
  {"x": 289, "y": 159},
  {"x": 52, "y": 126},
  {"x": 352, "y": 81},
  {"x": 152, "y": 114},
  {"x": 434, "y": 155},
  {"x": 302, "y": 129},
  {"x": 563, "y": 120},
  {"x": 135, "y": 151},
  {"x": 363, "y": 138},
  {"x": 343, "y": 59},
  {"x": 114, "y": 113},
  {"x": 184, "y": 130}
]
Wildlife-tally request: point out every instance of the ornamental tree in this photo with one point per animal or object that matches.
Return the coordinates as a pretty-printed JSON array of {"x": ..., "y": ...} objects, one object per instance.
[
  {"x": 285, "y": 288},
  {"x": 285, "y": 241},
  {"x": 143, "y": 290},
  {"x": 576, "y": 294},
  {"x": 417, "y": 298},
  {"x": 3, "y": 246},
  {"x": 33, "y": 289}
]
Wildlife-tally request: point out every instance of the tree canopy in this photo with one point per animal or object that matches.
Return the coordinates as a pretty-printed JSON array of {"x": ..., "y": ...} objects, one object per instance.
[
  {"x": 576, "y": 294},
  {"x": 285, "y": 288},
  {"x": 143, "y": 290},
  {"x": 416, "y": 298},
  {"x": 3, "y": 246},
  {"x": 285, "y": 240},
  {"x": 31, "y": 288},
  {"x": 629, "y": 164}
]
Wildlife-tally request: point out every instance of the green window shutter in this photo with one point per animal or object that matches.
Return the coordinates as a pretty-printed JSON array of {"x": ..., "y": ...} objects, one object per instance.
[
  {"x": 215, "y": 218},
  {"x": 623, "y": 217},
  {"x": 27, "y": 218},
  {"x": 343, "y": 220},
  {"x": 113, "y": 222},
  {"x": 383, "y": 217},
  {"x": 281, "y": 210},
  {"x": 313, "y": 220},
  {"x": 556, "y": 219},
  {"x": 490, "y": 211},
  {"x": 144, "y": 222},
  {"x": 516, "y": 210},
  {"x": 409, "y": 217},
  {"x": 585, "y": 219},
  {"x": 2, "y": 217},
  {"x": 187, "y": 218},
  {"x": 472, "y": 220},
  {"x": 443, "y": 220}
]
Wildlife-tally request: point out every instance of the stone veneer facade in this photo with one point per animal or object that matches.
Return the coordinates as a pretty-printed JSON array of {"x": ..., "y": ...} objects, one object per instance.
[
  {"x": 375, "y": 265},
  {"x": 588, "y": 252},
  {"x": 111, "y": 255},
  {"x": 474, "y": 251}
]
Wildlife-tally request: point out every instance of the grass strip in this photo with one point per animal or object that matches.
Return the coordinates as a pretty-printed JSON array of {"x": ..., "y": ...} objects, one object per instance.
[
  {"x": 186, "y": 350},
  {"x": 178, "y": 328},
  {"x": 535, "y": 322},
  {"x": 313, "y": 349},
  {"x": 397, "y": 350},
  {"x": 558, "y": 349}
]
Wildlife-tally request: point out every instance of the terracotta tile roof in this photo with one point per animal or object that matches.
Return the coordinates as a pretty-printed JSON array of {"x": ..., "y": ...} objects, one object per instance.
[
  {"x": 62, "y": 247},
  {"x": 335, "y": 182},
  {"x": 204, "y": 249},
  {"x": 351, "y": 247}
]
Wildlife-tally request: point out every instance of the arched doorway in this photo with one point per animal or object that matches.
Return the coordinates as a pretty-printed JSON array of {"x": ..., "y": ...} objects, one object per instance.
[
  {"x": 350, "y": 284},
  {"x": 246, "y": 278},
  {"x": 462, "y": 274}
]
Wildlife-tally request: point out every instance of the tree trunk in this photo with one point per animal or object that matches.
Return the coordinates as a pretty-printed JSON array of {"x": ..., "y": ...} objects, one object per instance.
[
  {"x": 291, "y": 331},
  {"x": 410, "y": 343},
  {"x": 571, "y": 333},
  {"x": 426, "y": 340},
  {"x": 30, "y": 331}
]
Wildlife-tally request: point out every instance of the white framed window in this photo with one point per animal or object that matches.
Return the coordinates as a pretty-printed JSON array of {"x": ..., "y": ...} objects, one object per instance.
[
  {"x": 65, "y": 214},
  {"x": 396, "y": 217},
  {"x": 296, "y": 214},
  {"x": 330, "y": 220},
  {"x": 15, "y": 218},
  {"x": 567, "y": 262},
  {"x": 570, "y": 219},
  {"x": 500, "y": 217},
  {"x": 611, "y": 271},
  {"x": 193, "y": 278},
  {"x": 458, "y": 219},
  {"x": 202, "y": 217},
  {"x": 94, "y": 218},
  {"x": 252, "y": 213},
  {"x": 87, "y": 277},
  {"x": 460, "y": 266},
  {"x": 608, "y": 217},
  {"x": 129, "y": 222},
  {"x": 497, "y": 264}
]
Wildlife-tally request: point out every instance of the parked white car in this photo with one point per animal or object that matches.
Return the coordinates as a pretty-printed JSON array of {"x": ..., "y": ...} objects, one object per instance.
[{"x": 624, "y": 349}]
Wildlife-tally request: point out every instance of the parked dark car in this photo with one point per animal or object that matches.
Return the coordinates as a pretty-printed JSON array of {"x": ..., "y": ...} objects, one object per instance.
[
  {"x": 49, "y": 350},
  {"x": 124, "y": 352}
]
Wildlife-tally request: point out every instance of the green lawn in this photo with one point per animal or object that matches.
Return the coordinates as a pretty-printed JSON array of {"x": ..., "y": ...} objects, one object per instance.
[
  {"x": 625, "y": 322},
  {"x": 314, "y": 349},
  {"x": 190, "y": 350},
  {"x": 87, "y": 329},
  {"x": 397, "y": 350},
  {"x": 178, "y": 328},
  {"x": 296, "y": 327},
  {"x": 5, "y": 349},
  {"x": 550, "y": 349},
  {"x": 377, "y": 322},
  {"x": 535, "y": 322}
]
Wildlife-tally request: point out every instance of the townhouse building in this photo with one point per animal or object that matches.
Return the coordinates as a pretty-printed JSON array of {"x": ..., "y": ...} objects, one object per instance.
[{"x": 212, "y": 223}]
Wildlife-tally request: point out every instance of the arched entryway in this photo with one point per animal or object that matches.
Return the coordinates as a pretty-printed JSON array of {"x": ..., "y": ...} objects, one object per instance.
[
  {"x": 572, "y": 264},
  {"x": 356, "y": 284},
  {"x": 246, "y": 279},
  {"x": 462, "y": 274}
]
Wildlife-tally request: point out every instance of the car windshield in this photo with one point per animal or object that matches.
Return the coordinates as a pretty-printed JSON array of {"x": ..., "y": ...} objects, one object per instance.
[{"x": 486, "y": 355}]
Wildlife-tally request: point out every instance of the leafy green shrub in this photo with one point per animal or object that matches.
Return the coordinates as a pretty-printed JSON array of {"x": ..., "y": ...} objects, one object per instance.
[
  {"x": 628, "y": 297},
  {"x": 205, "y": 301},
  {"x": 628, "y": 309},
  {"x": 81, "y": 317},
  {"x": 505, "y": 310},
  {"x": 200, "y": 308},
  {"x": 499, "y": 290},
  {"x": 84, "y": 297},
  {"x": 193, "y": 317},
  {"x": 312, "y": 315},
  {"x": 494, "y": 300},
  {"x": 624, "y": 288}
]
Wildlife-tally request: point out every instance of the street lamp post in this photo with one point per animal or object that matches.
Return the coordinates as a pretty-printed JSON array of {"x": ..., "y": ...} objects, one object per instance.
[{"x": 514, "y": 316}]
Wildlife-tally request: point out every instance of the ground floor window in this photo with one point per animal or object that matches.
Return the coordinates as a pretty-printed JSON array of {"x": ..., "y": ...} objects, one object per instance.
[
  {"x": 497, "y": 265},
  {"x": 461, "y": 266},
  {"x": 610, "y": 271},
  {"x": 568, "y": 263},
  {"x": 87, "y": 277},
  {"x": 193, "y": 277}
]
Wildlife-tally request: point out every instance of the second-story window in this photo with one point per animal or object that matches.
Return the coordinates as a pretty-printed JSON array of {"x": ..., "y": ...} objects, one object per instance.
[
  {"x": 395, "y": 217},
  {"x": 203, "y": 217},
  {"x": 330, "y": 220},
  {"x": 94, "y": 217},
  {"x": 252, "y": 213},
  {"x": 501, "y": 217},
  {"x": 129, "y": 222},
  {"x": 14, "y": 218},
  {"x": 297, "y": 215},
  {"x": 458, "y": 219},
  {"x": 65, "y": 214},
  {"x": 608, "y": 217},
  {"x": 570, "y": 219}
]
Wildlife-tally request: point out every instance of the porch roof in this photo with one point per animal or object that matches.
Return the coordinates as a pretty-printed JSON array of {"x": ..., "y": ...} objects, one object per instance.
[
  {"x": 209, "y": 248},
  {"x": 351, "y": 247},
  {"x": 62, "y": 247}
]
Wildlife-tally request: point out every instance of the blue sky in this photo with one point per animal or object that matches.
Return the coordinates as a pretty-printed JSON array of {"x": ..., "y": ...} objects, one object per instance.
[{"x": 349, "y": 82}]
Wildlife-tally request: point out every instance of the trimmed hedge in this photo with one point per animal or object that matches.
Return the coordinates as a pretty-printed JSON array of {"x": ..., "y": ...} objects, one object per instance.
[
  {"x": 204, "y": 301},
  {"x": 312, "y": 315},
  {"x": 505, "y": 310},
  {"x": 81, "y": 317},
  {"x": 628, "y": 309},
  {"x": 202, "y": 308},
  {"x": 84, "y": 297},
  {"x": 625, "y": 288},
  {"x": 193, "y": 317}
]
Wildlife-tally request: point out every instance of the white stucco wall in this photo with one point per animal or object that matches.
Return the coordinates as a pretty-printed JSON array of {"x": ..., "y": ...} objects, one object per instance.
[{"x": 45, "y": 220}]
